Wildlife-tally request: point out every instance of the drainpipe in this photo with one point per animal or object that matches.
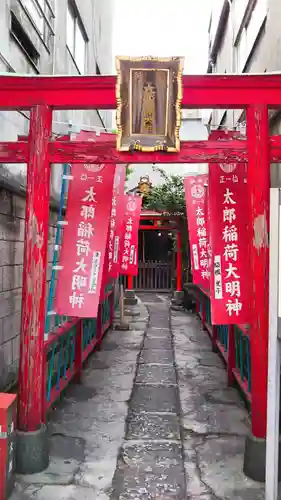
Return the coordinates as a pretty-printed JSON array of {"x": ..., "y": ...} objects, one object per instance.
[{"x": 54, "y": 39}]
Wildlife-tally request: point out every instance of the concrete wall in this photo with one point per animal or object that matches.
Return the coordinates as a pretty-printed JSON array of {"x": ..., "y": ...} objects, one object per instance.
[{"x": 96, "y": 18}]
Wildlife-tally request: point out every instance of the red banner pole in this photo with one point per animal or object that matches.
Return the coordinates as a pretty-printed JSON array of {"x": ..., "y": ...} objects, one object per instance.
[
  {"x": 79, "y": 351},
  {"x": 130, "y": 282},
  {"x": 179, "y": 263},
  {"x": 34, "y": 272},
  {"x": 259, "y": 190}
]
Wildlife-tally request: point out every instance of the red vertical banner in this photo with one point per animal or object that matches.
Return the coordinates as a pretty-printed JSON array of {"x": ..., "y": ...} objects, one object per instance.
[
  {"x": 208, "y": 226},
  {"x": 116, "y": 214},
  {"x": 118, "y": 237},
  {"x": 228, "y": 201},
  {"x": 196, "y": 211},
  {"x": 84, "y": 240},
  {"x": 116, "y": 221},
  {"x": 129, "y": 244}
]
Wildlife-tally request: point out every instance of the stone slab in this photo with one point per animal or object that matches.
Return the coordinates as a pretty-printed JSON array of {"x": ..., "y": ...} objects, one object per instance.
[
  {"x": 224, "y": 475},
  {"x": 70, "y": 492},
  {"x": 149, "y": 426},
  {"x": 154, "y": 452},
  {"x": 216, "y": 419},
  {"x": 156, "y": 374},
  {"x": 159, "y": 322},
  {"x": 163, "y": 356},
  {"x": 60, "y": 471},
  {"x": 155, "y": 399},
  {"x": 158, "y": 343},
  {"x": 158, "y": 332},
  {"x": 149, "y": 483}
]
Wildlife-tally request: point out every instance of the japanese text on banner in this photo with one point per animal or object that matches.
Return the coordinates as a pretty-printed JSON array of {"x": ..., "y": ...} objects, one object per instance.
[
  {"x": 197, "y": 216},
  {"x": 84, "y": 240},
  {"x": 129, "y": 253}
]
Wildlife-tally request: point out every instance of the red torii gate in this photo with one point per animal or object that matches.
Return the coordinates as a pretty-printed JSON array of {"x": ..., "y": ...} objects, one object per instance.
[
  {"x": 42, "y": 95},
  {"x": 160, "y": 224}
]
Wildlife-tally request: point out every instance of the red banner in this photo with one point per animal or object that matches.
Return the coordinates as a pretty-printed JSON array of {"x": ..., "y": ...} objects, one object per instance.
[
  {"x": 116, "y": 221},
  {"x": 228, "y": 199},
  {"x": 196, "y": 212},
  {"x": 84, "y": 240},
  {"x": 117, "y": 208},
  {"x": 129, "y": 244},
  {"x": 118, "y": 237}
]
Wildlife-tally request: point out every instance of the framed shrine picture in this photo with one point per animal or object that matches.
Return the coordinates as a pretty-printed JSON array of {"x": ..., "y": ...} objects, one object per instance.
[{"x": 149, "y": 95}]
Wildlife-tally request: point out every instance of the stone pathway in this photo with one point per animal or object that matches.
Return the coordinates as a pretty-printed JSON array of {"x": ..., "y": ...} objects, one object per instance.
[
  {"x": 153, "y": 419},
  {"x": 88, "y": 425},
  {"x": 151, "y": 462},
  {"x": 214, "y": 419}
]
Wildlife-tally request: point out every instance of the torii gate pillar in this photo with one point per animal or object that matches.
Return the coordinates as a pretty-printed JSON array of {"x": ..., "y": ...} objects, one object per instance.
[{"x": 259, "y": 192}]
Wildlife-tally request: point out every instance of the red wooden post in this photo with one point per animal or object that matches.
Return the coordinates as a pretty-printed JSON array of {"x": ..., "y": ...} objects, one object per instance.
[
  {"x": 231, "y": 355},
  {"x": 111, "y": 302},
  {"x": 259, "y": 188},
  {"x": 79, "y": 351},
  {"x": 130, "y": 282},
  {"x": 214, "y": 337},
  {"x": 179, "y": 263},
  {"x": 203, "y": 299},
  {"x": 34, "y": 271},
  {"x": 99, "y": 323}
]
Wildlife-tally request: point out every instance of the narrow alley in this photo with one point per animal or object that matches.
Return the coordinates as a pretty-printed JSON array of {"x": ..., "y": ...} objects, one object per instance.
[{"x": 152, "y": 419}]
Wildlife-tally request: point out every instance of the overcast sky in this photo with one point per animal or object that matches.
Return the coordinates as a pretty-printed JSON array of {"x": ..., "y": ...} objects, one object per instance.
[{"x": 163, "y": 28}]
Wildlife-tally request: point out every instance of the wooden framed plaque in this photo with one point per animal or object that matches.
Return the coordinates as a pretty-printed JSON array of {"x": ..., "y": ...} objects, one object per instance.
[{"x": 149, "y": 95}]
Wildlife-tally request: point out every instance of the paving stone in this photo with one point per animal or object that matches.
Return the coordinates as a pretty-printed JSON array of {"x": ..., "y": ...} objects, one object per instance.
[
  {"x": 156, "y": 356},
  {"x": 159, "y": 322},
  {"x": 149, "y": 483},
  {"x": 141, "y": 453},
  {"x": 60, "y": 471},
  {"x": 90, "y": 429},
  {"x": 155, "y": 399},
  {"x": 149, "y": 426},
  {"x": 157, "y": 343},
  {"x": 156, "y": 374},
  {"x": 216, "y": 419},
  {"x": 139, "y": 325},
  {"x": 158, "y": 332},
  {"x": 98, "y": 474},
  {"x": 71, "y": 492},
  {"x": 67, "y": 447},
  {"x": 112, "y": 345},
  {"x": 220, "y": 461},
  {"x": 207, "y": 393}
]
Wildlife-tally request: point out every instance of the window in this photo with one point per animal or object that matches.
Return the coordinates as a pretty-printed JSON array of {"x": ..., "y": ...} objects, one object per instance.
[
  {"x": 42, "y": 17},
  {"x": 76, "y": 38},
  {"x": 23, "y": 40},
  {"x": 250, "y": 33}
]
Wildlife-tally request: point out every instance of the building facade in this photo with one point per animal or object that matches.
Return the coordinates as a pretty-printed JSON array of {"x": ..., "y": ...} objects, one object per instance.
[
  {"x": 244, "y": 37},
  {"x": 48, "y": 37}
]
